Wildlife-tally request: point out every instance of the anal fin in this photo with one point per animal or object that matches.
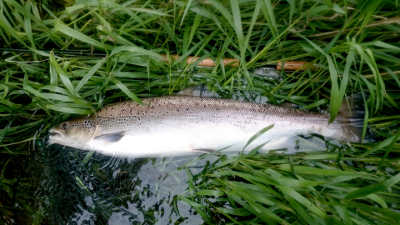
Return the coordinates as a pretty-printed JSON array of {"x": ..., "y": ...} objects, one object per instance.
[{"x": 204, "y": 150}]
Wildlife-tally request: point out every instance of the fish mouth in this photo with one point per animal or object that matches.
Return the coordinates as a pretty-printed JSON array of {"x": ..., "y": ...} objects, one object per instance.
[
  {"x": 55, "y": 133},
  {"x": 55, "y": 136}
]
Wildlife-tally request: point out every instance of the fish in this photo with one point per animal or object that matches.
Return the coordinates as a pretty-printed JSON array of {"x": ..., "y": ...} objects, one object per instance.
[{"x": 181, "y": 125}]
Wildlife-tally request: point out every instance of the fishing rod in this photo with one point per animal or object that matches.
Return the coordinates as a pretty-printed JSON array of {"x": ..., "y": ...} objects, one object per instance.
[
  {"x": 73, "y": 52},
  {"x": 203, "y": 62}
]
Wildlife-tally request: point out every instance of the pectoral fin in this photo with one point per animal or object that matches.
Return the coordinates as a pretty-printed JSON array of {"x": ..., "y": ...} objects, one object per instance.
[{"x": 111, "y": 137}]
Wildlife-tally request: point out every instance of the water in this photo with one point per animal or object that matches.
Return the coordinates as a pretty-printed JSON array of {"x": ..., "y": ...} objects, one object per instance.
[{"x": 81, "y": 187}]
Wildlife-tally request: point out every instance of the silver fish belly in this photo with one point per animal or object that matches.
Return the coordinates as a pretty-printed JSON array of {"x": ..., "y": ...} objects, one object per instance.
[{"x": 178, "y": 125}]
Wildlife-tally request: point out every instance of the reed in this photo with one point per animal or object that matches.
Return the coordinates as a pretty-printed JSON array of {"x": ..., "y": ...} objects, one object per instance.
[{"x": 353, "y": 45}]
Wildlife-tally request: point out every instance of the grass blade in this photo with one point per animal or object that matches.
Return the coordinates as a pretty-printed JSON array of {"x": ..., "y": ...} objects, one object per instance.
[
  {"x": 60, "y": 27},
  {"x": 269, "y": 15},
  {"x": 124, "y": 89}
]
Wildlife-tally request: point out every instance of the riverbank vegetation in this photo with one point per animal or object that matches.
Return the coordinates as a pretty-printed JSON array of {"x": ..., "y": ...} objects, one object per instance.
[{"x": 68, "y": 59}]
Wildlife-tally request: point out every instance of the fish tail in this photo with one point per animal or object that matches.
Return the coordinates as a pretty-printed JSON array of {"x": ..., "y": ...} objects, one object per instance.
[{"x": 352, "y": 116}]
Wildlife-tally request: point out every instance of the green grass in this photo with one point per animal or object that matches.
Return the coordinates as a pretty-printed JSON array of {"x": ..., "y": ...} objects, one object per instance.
[
  {"x": 353, "y": 44},
  {"x": 339, "y": 186}
]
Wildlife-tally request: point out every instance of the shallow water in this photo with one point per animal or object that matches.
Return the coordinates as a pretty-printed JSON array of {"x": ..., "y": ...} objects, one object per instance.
[{"x": 81, "y": 187}]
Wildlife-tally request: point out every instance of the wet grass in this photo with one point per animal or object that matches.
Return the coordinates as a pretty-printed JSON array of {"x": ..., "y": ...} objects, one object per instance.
[
  {"x": 352, "y": 44},
  {"x": 338, "y": 186}
]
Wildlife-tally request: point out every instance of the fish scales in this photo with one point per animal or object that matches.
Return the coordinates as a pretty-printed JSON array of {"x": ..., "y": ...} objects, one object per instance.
[
  {"x": 179, "y": 125},
  {"x": 184, "y": 103},
  {"x": 127, "y": 114}
]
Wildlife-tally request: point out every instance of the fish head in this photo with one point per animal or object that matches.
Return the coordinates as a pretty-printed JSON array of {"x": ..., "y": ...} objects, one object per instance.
[{"x": 74, "y": 133}]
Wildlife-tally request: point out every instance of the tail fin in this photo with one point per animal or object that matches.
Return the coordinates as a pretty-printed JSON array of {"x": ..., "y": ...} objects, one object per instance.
[{"x": 352, "y": 116}]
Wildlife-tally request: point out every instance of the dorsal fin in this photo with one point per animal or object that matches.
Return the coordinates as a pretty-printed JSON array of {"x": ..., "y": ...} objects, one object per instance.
[{"x": 198, "y": 91}]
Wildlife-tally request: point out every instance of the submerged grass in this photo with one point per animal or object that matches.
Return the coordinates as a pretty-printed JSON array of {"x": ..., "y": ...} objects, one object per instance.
[
  {"x": 353, "y": 46},
  {"x": 338, "y": 186}
]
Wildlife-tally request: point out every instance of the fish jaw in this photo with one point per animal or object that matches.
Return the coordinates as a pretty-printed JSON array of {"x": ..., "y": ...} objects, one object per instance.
[{"x": 58, "y": 136}]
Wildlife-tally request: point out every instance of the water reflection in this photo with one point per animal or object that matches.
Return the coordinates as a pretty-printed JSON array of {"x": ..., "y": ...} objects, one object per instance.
[{"x": 80, "y": 187}]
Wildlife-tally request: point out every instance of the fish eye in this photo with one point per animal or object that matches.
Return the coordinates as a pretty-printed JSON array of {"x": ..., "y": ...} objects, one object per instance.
[{"x": 64, "y": 126}]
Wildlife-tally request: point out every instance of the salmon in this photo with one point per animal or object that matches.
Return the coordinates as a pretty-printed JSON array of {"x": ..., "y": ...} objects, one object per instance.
[{"x": 180, "y": 125}]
